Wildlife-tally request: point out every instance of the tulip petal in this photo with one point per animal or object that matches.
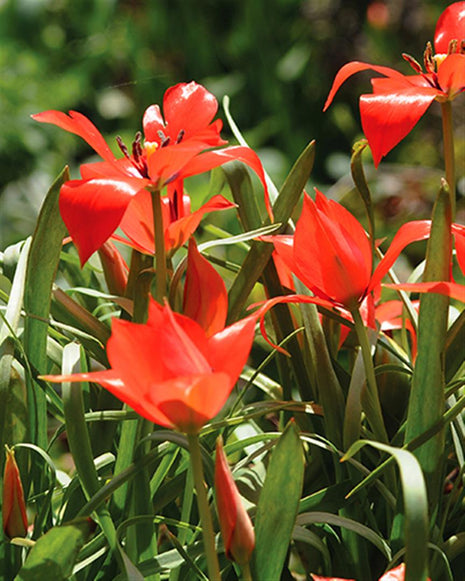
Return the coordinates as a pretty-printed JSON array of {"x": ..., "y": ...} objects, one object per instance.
[
  {"x": 205, "y": 294},
  {"x": 450, "y": 26},
  {"x": 451, "y": 74},
  {"x": 79, "y": 125},
  {"x": 92, "y": 210},
  {"x": 449, "y": 289},
  {"x": 391, "y": 112},
  {"x": 355, "y": 67},
  {"x": 211, "y": 159},
  {"x": 407, "y": 233}
]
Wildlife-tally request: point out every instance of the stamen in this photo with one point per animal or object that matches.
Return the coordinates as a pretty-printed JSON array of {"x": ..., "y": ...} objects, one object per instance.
[
  {"x": 137, "y": 147},
  {"x": 462, "y": 46},
  {"x": 412, "y": 62},
  {"x": 164, "y": 140},
  {"x": 452, "y": 46},
  {"x": 428, "y": 59},
  {"x": 123, "y": 148},
  {"x": 180, "y": 136}
]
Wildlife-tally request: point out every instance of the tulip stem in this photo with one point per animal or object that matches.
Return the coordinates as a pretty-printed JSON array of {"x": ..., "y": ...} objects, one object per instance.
[
  {"x": 204, "y": 509},
  {"x": 449, "y": 154},
  {"x": 160, "y": 251},
  {"x": 372, "y": 404},
  {"x": 246, "y": 574}
]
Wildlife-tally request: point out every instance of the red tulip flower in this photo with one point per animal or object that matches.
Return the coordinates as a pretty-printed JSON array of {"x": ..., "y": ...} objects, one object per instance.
[
  {"x": 13, "y": 504},
  {"x": 396, "y": 574},
  {"x": 398, "y": 101},
  {"x": 169, "y": 371},
  {"x": 172, "y": 148},
  {"x": 236, "y": 527}
]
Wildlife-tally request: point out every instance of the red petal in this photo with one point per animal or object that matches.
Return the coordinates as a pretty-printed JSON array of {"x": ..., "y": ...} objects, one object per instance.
[
  {"x": 407, "y": 233},
  {"x": 449, "y": 289},
  {"x": 179, "y": 231},
  {"x": 450, "y": 26},
  {"x": 451, "y": 74},
  {"x": 210, "y": 159},
  {"x": 355, "y": 67},
  {"x": 236, "y": 527},
  {"x": 166, "y": 164},
  {"x": 205, "y": 294},
  {"x": 79, "y": 125},
  {"x": 391, "y": 113},
  {"x": 229, "y": 349},
  {"x": 188, "y": 107},
  {"x": 92, "y": 210},
  {"x": 152, "y": 123}
]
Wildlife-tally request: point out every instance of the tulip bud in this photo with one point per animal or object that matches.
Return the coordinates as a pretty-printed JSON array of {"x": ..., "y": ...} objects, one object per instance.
[
  {"x": 13, "y": 506},
  {"x": 236, "y": 526},
  {"x": 114, "y": 267}
]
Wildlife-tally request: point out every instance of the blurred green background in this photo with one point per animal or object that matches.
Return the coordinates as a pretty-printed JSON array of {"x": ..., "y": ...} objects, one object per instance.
[{"x": 276, "y": 59}]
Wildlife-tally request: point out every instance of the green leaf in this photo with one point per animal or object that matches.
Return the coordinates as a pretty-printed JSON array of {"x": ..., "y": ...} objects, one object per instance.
[
  {"x": 54, "y": 554},
  {"x": 415, "y": 507},
  {"x": 277, "y": 506},
  {"x": 41, "y": 269}
]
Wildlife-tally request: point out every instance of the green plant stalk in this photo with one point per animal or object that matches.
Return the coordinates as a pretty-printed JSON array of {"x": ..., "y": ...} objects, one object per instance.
[
  {"x": 160, "y": 250},
  {"x": 204, "y": 509},
  {"x": 371, "y": 402},
  {"x": 246, "y": 574},
  {"x": 427, "y": 398},
  {"x": 449, "y": 153}
]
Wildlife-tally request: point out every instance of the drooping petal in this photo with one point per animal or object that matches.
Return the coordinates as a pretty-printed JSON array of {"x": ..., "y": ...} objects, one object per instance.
[
  {"x": 205, "y": 294},
  {"x": 451, "y": 74},
  {"x": 449, "y": 289},
  {"x": 355, "y": 67},
  {"x": 407, "y": 233},
  {"x": 450, "y": 26},
  {"x": 92, "y": 210},
  {"x": 391, "y": 112},
  {"x": 79, "y": 125}
]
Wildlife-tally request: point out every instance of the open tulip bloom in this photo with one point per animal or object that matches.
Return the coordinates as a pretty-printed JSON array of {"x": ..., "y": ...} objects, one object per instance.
[
  {"x": 170, "y": 149},
  {"x": 398, "y": 101}
]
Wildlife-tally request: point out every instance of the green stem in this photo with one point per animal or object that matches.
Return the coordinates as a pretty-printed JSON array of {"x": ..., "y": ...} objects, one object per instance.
[
  {"x": 449, "y": 155},
  {"x": 371, "y": 404},
  {"x": 246, "y": 574},
  {"x": 160, "y": 251},
  {"x": 204, "y": 509}
]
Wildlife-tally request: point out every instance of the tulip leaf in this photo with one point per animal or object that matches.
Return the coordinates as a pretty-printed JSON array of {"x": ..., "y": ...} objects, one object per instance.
[
  {"x": 41, "y": 269},
  {"x": 277, "y": 506},
  {"x": 415, "y": 507},
  {"x": 54, "y": 554}
]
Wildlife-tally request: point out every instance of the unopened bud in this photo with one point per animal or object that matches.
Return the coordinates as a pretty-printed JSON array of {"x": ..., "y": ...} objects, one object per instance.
[{"x": 13, "y": 506}]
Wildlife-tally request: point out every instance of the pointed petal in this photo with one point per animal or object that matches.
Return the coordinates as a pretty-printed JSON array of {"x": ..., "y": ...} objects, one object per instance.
[
  {"x": 92, "y": 210},
  {"x": 450, "y": 26},
  {"x": 407, "y": 233},
  {"x": 210, "y": 159},
  {"x": 229, "y": 349},
  {"x": 205, "y": 295},
  {"x": 179, "y": 231},
  {"x": 79, "y": 125},
  {"x": 449, "y": 289},
  {"x": 391, "y": 112},
  {"x": 355, "y": 67},
  {"x": 166, "y": 164}
]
